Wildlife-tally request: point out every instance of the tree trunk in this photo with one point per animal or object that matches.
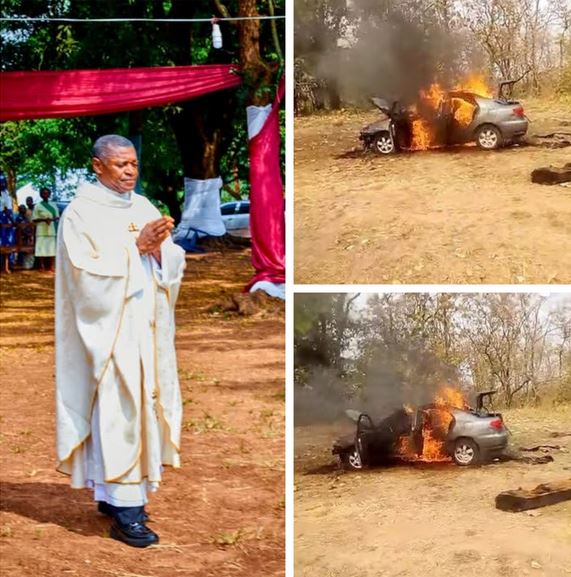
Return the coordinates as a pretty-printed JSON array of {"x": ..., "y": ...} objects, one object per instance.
[
  {"x": 201, "y": 129},
  {"x": 333, "y": 95},
  {"x": 256, "y": 72}
]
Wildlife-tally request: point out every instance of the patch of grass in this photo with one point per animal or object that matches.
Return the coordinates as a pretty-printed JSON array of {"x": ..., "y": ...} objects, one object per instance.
[
  {"x": 38, "y": 534},
  {"x": 279, "y": 396},
  {"x": 186, "y": 375},
  {"x": 206, "y": 424},
  {"x": 197, "y": 377},
  {"x": 6, "y": 531},
  {"x": 228, "y": 538}
]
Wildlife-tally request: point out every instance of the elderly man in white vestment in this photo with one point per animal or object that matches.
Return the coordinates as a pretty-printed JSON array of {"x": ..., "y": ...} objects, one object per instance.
[{"x": 118, "y": 399}]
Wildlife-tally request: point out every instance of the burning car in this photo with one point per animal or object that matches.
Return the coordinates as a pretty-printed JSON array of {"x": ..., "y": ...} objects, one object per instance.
[
  {"x": 446, "y": 118},
  {"x": 439, "y": 431}
]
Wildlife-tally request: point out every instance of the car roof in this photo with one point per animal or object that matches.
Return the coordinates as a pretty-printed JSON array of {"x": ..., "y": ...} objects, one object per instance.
[{"x": 246, "y": 200}]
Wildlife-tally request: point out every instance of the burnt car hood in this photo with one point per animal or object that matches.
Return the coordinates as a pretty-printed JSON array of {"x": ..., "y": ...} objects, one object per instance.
[
  {"x": 382, "y": 104},
  {"x": 377, "y": 126}
]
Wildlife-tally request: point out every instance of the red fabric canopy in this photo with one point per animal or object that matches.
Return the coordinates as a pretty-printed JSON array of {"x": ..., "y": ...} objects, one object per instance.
[
  {"x": 267, "y": 222},
  {"x": 27, "y": 95}
]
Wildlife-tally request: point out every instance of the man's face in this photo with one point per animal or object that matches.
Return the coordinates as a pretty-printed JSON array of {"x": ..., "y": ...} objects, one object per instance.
[
  {"x": 30, "y": 202},
  {"x": 119, "y": 169},
  {"x": 45, "y": 194}
]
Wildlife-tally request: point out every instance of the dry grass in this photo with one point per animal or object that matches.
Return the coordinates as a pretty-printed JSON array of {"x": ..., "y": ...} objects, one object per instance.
[{"x": 459, "y": 216}]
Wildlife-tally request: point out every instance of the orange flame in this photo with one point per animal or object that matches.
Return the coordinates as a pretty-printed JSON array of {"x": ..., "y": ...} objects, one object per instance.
[
  {"x": 435, "y": 425},
  {"x": 422, "y": 135},
  {"x": 429, "y": 101},
  {"x": 463, "y": 111},
  {"x": 433, "y": 96},
  {"x": 450, "y": 397},
  {"x": 477, "y": 84}
]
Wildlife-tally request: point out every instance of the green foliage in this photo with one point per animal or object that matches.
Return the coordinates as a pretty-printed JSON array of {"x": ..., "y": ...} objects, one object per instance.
[
  {"x": 405, "y": 347},
  {"x": 40, "y": 149},
  {"x": 36, "y": 149}
]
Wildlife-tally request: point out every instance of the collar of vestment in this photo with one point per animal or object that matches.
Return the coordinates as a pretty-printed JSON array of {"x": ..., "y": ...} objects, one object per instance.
[{"x": 102, "y": 195}]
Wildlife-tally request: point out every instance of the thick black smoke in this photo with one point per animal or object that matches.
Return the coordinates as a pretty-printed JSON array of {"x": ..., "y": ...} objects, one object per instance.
[
  {"x": 393, "y": 51},
  {"x": 392, "y": 377}
]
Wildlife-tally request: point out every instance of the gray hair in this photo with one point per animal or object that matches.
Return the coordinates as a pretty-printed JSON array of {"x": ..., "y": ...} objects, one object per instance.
[{"x": 102, "y": 145}]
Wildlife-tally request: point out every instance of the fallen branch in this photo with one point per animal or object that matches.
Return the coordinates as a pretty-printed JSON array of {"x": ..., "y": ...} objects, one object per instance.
[
  {"x": 540, "y": 448},
  {"x": 527, "y": 459},
  {"x": 557, "y": 434},
  {"x": 535, "y": 460},
  {"x": 551, "y": 174},
  {"x": 541, "y": 496},
  {"x": 552, "y": 134}
]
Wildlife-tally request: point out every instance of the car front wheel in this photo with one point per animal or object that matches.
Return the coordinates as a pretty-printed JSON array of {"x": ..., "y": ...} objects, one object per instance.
[
  {"x": 466, "y": 452},
  {"x": 352, "y": 459},
  {"x": 383, "y": 143},
  {"x": 489, "y": 137}
]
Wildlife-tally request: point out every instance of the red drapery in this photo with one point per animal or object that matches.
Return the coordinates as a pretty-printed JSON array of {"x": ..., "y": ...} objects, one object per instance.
[
  {"x": 58, "y": 94},
  {"x": 267, "y": 201}
]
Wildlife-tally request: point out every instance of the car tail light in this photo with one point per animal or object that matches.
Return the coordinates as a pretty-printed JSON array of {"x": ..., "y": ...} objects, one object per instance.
[
  {"x": 497, "y": 424},
  {"x": 518, "y": 111}
]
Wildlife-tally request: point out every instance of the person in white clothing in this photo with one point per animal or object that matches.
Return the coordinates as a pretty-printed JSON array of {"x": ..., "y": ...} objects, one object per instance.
[{"x": 118, "y": 402}]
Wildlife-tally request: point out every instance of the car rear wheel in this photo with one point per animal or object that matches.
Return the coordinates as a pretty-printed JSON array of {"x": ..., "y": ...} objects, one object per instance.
[
  {"x": 489, "y": 137},
  {"x": 383, "y": 143},
  {"x": 352, "y": 459},
  {"x": 466, "y": 452}
]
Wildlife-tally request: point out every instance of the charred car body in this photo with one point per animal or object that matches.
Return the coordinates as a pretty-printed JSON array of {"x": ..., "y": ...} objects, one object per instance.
[
  {"x": 490, "y": 123},
  {"x": 468, "y": 436}
]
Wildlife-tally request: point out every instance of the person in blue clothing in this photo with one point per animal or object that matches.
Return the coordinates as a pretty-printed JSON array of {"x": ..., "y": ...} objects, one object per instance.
[{"x": 7, "y": 239}]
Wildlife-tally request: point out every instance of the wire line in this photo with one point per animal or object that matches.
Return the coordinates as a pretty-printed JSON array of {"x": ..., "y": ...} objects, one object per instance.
[{"x": 25, "y": 19}]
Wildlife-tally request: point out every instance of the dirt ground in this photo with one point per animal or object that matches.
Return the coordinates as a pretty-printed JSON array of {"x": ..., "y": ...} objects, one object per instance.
[
  {"x": 456, "y": 216},
  {"x": 437, "y": 520},
  {"x": 222, "y": 513}
]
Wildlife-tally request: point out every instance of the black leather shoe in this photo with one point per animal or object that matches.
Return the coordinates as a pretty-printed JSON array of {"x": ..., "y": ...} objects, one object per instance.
[
  {"x": 134, "y": 534},
  {"x": 109, "y": 510}
]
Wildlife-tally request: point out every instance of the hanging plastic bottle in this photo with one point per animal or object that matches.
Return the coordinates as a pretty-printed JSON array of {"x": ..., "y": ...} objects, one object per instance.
[{"x": 216, "y": 34}]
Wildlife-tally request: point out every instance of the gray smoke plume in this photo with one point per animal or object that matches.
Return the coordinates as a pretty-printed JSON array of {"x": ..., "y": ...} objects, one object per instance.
[
  {"x": 393, "y": 377},
  {"x": 394, "y": 49}
]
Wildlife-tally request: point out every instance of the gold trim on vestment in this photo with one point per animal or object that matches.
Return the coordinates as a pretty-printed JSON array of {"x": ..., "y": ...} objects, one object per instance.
[{"x": 157, "y": 380}]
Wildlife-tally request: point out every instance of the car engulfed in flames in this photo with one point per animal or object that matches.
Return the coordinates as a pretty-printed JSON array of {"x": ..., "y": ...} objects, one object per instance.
[
  {"x": 467, "y": 114},
  {"x": 445, "y": 430}
]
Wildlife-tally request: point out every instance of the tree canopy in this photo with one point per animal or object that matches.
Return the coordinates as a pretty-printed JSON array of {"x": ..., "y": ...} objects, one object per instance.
[
  {"x": 365, "y": 48},
  {"x": 201, "y": 138},
  {"x": 380, "y": 350}
]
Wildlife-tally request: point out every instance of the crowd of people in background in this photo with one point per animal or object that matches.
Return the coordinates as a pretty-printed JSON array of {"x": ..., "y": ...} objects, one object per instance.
[{"x": 28, "y": 235}]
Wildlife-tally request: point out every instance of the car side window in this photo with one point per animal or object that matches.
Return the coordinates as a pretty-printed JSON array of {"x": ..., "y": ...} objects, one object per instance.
[
  {"x": 244, "y": 208},
  {"x": 228, "y": 209}
]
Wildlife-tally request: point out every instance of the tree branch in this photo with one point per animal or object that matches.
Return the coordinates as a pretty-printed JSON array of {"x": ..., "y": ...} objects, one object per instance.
[{"x": 274, "y": 28}]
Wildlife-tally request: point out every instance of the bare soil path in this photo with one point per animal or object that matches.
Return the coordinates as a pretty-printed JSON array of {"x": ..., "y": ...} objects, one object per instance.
[
  {"x": 222, "y": 513},
  {"x": 456, "y": 216},
  {"x": 431, "y": 520}
]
